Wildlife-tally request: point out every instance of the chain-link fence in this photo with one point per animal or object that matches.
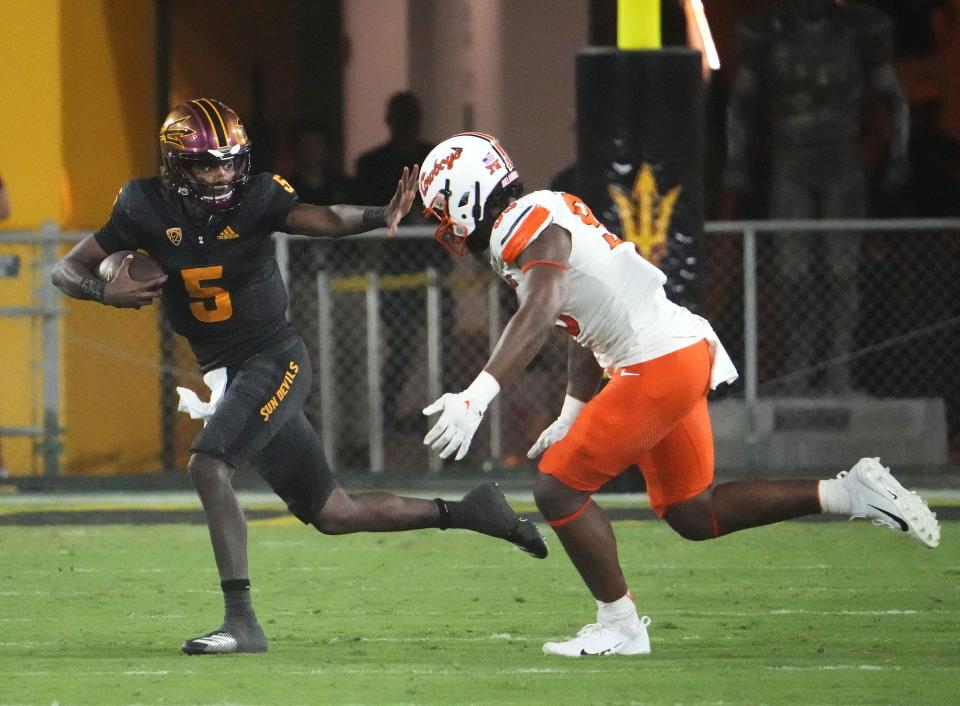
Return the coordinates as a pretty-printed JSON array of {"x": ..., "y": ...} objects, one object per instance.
[
  {"x": 391, "y": 326},
  {"x": 845, "y": 335}
]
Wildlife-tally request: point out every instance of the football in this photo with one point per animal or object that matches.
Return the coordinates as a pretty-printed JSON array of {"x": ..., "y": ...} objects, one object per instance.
[{"x": 142, "y": 267}]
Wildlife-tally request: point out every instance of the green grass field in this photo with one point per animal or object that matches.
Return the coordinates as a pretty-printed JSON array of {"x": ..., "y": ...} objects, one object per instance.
[{"x": 801, "y": 613}]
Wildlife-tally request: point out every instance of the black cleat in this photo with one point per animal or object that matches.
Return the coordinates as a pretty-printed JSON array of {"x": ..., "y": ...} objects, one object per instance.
[
  {"x": 486, "y": 510},
  {"x": 527, "y": 537},
  {"x": 227, "y": 640}
]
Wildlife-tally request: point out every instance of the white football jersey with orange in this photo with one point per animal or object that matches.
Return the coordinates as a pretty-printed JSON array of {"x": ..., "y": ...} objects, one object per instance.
[{"x": 616, "y": 307}]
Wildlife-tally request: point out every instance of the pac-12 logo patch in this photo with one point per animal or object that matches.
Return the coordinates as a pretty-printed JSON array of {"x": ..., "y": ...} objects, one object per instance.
[{"x": 175, "y": 235}]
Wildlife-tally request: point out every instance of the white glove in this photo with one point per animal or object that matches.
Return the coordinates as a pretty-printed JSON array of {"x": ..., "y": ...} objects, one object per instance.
[
  {"x": 461, "y": 414},
  {"x": 561, "y": 425}
]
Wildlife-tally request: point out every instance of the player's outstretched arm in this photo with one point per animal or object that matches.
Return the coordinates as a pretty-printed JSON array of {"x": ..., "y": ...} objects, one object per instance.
[
  {"x": 340, "y": 220},
  {"x": 543, "y": 294},
  {"x": 75, "y": 275}
]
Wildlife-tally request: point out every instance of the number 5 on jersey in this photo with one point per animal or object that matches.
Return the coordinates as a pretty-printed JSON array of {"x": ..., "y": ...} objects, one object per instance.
[{"x": 211, "y": 303}]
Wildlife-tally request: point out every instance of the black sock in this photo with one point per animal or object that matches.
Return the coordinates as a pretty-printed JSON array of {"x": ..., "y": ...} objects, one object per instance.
[
  {"x": 458, "y": 514},
  {"x": 445, "y": 522},
  {"x": 237, "y": 603}
]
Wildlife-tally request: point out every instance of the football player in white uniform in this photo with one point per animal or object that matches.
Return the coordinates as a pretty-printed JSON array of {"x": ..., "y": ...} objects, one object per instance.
[{"x": 570, "y": 271}]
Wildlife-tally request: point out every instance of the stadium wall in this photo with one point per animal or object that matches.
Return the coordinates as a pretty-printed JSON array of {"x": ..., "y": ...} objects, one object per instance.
[{"x": 78, "y": 121}]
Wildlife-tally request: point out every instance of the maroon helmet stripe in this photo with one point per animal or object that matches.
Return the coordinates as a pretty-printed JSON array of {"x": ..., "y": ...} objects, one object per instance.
[
  {"x": 219, "y": 132},
  {"x": 220, "y": 120}
]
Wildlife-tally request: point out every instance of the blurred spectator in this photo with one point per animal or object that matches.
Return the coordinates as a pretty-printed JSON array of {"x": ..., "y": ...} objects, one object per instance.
[
  {"x": 935, "y": 140},
  {"x": 403, "y": 149},
  {"x": 314, "y": 177},
  {"x": 402, "y": 299},
  {"x": 806, "y": 66}
]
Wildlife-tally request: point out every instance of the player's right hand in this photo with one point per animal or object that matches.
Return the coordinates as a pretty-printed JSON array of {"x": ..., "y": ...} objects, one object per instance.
[
  {"x": 549, "y": 436},
  {"x": 124, "y": 292},
  {"x": 460, "y": 415}
]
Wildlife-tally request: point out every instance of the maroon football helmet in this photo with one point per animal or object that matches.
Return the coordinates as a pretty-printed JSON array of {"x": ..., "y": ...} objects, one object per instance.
[{"x": 204, "y": 131}]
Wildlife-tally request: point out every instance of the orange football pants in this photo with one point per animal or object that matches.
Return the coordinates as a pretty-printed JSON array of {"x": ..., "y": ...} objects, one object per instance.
[{"x": 652, "y": 414}]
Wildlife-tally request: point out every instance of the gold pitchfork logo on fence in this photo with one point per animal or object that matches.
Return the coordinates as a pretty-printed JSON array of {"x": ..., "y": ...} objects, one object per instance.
[{"x": 645, "y": 213}]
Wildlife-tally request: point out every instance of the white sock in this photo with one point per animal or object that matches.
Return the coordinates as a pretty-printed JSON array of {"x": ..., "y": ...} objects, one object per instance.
[
  {"x": 622, "y": 611},
  {"x": 834, "y": 498}
]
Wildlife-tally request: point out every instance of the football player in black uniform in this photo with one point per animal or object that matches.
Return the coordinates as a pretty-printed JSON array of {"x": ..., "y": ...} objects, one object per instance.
[{"x": 208, "y": 222}]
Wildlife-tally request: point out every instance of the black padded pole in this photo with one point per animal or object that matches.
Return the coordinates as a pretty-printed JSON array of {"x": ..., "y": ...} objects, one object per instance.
[{"x": 640, "y": 114}]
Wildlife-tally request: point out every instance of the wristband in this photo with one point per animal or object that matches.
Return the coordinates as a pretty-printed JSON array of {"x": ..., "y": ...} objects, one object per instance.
[
  {"x": 571, "y": 409},
  {"x": 375, "y": 216},
  {"x": 92, "y": 288},
  {"x": 483, "y": 389}
]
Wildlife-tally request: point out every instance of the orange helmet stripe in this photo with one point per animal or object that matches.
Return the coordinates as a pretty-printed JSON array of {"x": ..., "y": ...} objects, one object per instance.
[{"x": 496, "y": 146}]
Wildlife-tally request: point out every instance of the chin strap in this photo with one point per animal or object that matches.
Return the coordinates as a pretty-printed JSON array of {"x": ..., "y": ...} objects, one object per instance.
[{"x": 477, "y": 211}]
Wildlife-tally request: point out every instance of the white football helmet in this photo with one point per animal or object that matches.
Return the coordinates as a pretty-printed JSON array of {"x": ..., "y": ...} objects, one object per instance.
[{"x": 456, "y": 179}]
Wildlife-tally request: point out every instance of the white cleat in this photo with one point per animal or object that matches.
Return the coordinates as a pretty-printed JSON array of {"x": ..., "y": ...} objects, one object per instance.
[
  {"x": 599, "y": 640},
  {"x": 876, "y": 494},
  {"x": 228, "y": 640},
  {"x": 214, "y": 643}
]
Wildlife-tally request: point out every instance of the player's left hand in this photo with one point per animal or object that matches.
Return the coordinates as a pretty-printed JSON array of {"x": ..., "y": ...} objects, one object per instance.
[
  {"x": 549, "y": 436},
  {"x": 561, "y": 425},
  {"x": 403, "y": 197},
  {"x": 459, "y": 418}
]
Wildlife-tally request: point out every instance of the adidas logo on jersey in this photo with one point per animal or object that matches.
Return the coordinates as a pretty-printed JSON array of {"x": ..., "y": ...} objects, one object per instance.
[{"x": 228, "y": 233}]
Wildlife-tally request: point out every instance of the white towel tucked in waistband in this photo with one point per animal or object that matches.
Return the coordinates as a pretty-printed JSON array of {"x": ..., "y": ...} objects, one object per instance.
[
  {"x": 722, "y": 369},
  {"x": 216, "y": 380}
]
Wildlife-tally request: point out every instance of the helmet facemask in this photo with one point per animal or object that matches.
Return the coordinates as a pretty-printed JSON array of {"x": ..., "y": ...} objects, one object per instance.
[
  {"x": 451, "y": 234},
  {"x": 214, "y": 197}
]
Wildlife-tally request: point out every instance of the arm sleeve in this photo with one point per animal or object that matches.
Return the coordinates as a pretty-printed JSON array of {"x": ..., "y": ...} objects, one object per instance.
[{"x": 121, "y": 231}]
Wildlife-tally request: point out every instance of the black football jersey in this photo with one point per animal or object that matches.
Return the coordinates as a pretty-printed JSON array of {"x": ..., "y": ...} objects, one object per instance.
[{"x": 224, "y": 292}]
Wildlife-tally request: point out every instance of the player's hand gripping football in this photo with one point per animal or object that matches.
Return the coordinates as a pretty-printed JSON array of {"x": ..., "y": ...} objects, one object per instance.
[
  {"x": 124, "y": 292},
  {"x": 403, "y": 197},
  {"x": 460, "y": 415}
]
